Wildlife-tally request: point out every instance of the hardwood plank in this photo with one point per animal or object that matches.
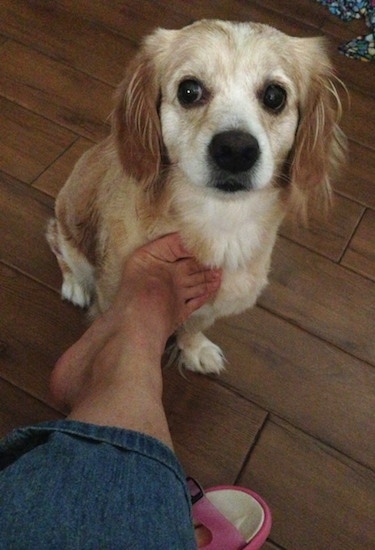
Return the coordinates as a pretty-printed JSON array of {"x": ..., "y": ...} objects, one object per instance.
[
  {"x": 357, "y": 179},
  {"x": 212, "y": 428},
  {"x": 121, "y": 16},
  {"x": 318, "y": 499},
  {"x": 24, "y": 215},
  {"x": 328, "y": 235},
  {"x": 360, "y": 255},
  {"x": 291, "y": 373},
  {"x": 303, "y": 10},
  {"x": 36, "y": 327},
  {"x": 323, "y": 298},
  {"x": 29, "y": 143},
  {"x": 132, "y": 20},
  {"x": 17, "y": 409},
  {"x": 355, "y": 119},
  {"x": 245, "y": 11},
  {"x": 52, "y": 179},
  {"x": 67, "y": 38},
  {"x": 268, "y": 545},
  {"x": 356, "y": 74},
  {"x": 51, "y": 89}
]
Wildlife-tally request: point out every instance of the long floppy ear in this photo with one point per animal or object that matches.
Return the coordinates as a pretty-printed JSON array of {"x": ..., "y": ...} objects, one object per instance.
[
  {"x": 320, "y": 145},
  {"x": 135, "y": 120}
]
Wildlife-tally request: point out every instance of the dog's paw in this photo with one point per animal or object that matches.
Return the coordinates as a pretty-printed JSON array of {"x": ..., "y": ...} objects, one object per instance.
[
  {"x": 199, "y": 354},
  {"x": 75, "y": 292}
]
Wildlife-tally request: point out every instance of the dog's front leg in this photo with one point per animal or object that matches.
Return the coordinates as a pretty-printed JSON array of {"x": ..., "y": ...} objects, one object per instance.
[{"x": 197, "y": 352}]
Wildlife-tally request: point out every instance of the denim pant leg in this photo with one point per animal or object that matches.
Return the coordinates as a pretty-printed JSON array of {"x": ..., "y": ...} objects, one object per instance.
[{"x": 70, "y": 485}]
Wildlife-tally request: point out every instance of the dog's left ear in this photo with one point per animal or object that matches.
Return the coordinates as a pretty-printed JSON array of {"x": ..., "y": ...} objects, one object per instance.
[
  {"x": 320, "y": 145},
  {"x": 135, "y": 119}
]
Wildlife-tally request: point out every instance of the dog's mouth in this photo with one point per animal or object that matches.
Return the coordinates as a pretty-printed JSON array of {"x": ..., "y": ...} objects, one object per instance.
[{"x": 231, "y": 185}]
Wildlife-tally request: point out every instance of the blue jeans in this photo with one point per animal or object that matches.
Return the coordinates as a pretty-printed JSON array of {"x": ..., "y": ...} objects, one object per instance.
[{"x": 69, "y": 485}]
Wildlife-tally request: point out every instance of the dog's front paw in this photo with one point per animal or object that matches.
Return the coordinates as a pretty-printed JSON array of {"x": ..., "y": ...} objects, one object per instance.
[
  {"x": 199, "y": 354},
  {"x": 75, "y": 292}
]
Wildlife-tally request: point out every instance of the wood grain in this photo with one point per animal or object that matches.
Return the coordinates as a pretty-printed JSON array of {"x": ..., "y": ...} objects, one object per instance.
[
  {"x": 326, "y": 233},
  {"x": 315, "y": 16},
  {"x": 20, "y": 409},
  {"x": 246, "y": 11},
  {"x": 67, "y": 38},
  {"x": 300, "y": 378},
  {"x": 36, "y": 327},
  {"x": 60, "y": 99},
  {"x": 356, "y": 75},
  {"x": 54, "y": 177},
  {"x": 323, "y": 298},
  {"x": 360, "y": 254},
  {"x": 129, "y": 19},
  {"x": 318, "y": 500},
  {"x": 357, "y": 179},
  {"x": 355, "y": 118},
  {"x": 23, "y": 222},
  {"x": 211, "y": 426},
  {"x": 29, "y": 142}
]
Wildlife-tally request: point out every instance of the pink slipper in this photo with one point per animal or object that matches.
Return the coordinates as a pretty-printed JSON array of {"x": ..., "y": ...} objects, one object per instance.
[{"x": 237, "y": 518}]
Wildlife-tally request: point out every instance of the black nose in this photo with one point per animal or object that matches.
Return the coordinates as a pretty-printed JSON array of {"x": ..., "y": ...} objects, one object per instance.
[{"x": 234, "y": 151}]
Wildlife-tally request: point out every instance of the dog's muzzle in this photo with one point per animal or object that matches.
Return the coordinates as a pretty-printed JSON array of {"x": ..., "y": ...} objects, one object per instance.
[{"x": 233, "y": 153}]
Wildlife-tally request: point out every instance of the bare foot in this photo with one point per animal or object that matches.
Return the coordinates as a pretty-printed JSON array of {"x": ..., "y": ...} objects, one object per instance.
[
  {"x": 164, "y": 276},
  {"x": 112, "y": 375}
]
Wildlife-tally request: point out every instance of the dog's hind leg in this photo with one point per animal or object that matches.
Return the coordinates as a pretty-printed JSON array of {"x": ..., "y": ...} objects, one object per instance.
[{"x": 78, "y": 274}]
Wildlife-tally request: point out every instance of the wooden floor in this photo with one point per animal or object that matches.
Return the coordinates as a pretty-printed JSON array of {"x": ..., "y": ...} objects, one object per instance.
[{"x": 293, "y": 416}]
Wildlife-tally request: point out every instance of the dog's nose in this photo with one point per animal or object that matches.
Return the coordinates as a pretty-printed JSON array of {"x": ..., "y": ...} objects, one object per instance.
[{"x": 234, "y": 151}]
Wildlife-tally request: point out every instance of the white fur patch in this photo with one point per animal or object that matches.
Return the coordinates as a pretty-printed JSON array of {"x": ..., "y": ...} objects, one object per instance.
[
  {"x": 75, "y": 292},
  {"x": 199, "y": 354},
  {"x": 78, "y": 278}
]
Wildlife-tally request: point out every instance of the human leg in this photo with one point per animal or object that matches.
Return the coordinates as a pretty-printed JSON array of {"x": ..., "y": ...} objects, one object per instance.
[
  {"x": 112, "y": 375},
  {"x": 108, "y": 474}
]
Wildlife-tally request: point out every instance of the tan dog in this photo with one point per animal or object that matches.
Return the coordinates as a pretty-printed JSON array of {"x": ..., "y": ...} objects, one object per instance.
[{"x": 218, "y": 129}]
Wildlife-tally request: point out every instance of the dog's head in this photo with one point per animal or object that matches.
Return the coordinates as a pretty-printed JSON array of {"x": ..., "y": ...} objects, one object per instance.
[{"x": 230, "y": 108}]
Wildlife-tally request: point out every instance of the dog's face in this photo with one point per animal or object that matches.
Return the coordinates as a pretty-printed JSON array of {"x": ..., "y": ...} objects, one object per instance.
[{"x": 230, "y": 108}]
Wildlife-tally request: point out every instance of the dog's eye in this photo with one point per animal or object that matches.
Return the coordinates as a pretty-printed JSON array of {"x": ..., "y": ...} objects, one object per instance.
[
  {"x": 189, "y": 92},
  {"x": 274, "y": 98}
]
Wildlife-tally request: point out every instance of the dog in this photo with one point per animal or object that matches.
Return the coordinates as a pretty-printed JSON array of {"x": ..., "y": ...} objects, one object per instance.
[{"x": 218, "y": 130}]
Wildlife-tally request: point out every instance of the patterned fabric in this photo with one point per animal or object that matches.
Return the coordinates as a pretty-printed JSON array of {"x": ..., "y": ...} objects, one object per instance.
[{"x": 362, "y": 47}]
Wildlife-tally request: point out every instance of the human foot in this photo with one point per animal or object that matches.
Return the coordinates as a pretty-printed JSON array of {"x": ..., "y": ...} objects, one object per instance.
[
  {"x": 121, "y": 351},
  {"x": 162, "y": 275}
]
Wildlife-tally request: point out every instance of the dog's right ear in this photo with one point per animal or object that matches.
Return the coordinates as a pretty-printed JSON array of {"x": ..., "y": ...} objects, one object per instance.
[{"x": 135, "y": 121}]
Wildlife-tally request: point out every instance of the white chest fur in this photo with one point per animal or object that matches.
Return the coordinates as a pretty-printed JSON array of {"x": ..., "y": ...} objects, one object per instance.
[{"x": 232, "y": 233}]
